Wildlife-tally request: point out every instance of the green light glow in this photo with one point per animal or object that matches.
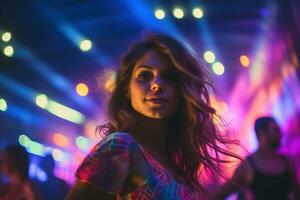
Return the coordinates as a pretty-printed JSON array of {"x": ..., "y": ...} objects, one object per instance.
[
  {"x": 65, "y": 112},
  {"x": 41, "y": 101},
  {"x": 82, "y": 143},
  {"x": 24, "y": 140},
  {"x": 3, "y": 105}
]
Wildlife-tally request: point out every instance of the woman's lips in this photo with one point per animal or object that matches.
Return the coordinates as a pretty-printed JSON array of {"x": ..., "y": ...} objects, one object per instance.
[{"x": 157, "y": 100}]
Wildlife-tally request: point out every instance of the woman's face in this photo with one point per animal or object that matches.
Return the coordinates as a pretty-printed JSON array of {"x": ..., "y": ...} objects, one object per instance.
[{"x": 152, "y": 88}]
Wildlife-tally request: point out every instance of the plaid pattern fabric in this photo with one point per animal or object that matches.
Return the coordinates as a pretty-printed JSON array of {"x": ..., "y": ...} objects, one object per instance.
[{"x": 100, "y": 168}]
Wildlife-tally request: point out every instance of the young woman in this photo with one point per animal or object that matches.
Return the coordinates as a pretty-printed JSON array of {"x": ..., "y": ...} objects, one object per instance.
[{"x": 161, "y": 129}]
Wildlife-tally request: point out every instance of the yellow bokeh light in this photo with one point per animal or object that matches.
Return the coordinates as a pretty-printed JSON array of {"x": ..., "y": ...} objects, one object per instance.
[
  {"x": 209, "y": 57},
  {"x": 218, "y": 68},
  {"x": 86, "y": 45},
  {"x": 24, "y": 140},
  {"x": 244, "y": 61},
  {"x": 178, "y": 13},
  {"x": 197, "y": 13},
  {"x": 6, "y": 36},
  {"x": 82, "y": 89},
  {"x": 42, "y": 101},
  {"x": 8, "y": 51},
  {"x": 3, "y": 105},
  {"x": 60, "y": 140},
  {"x": 57, "y": 155},
  {"x": 110, "y": 81},
  {"x": 159, "y": 14}
]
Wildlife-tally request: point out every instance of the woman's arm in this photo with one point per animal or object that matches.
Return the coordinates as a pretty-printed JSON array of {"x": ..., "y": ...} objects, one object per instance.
[{"x": 83, "y": 190}]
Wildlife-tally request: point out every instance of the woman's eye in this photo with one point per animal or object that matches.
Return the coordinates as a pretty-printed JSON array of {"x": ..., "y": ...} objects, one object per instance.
[{"x": 144, "y": 76}]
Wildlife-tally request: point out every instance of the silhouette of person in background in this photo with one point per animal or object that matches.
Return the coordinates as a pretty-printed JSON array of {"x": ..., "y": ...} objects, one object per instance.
[
  {"x": 15, "y": 166},
  {"x": 53, "y": 187},
  {"x": 265, "y": 174}
]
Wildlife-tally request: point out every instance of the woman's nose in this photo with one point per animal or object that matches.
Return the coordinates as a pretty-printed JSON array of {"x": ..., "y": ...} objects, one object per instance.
[{"x": 157, "y": 85}]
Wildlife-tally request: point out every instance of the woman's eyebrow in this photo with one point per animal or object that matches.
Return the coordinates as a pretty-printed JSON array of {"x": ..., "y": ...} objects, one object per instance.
[
  {"x": 142, "y": 66},
  {"x": 168, "y": 69}
]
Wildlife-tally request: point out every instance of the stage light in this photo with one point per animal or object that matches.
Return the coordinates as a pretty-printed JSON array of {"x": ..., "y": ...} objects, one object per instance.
[
  {"x": 82, "y": 143},
  {"x": 59, "y": 109},
  {"x": 82, "y": 89},
  {"x": 85, "y": 45},
  {"x": 8, "y": 51},
  {"x": 41, "y": 175},
  {"x": 24, "y": 140},
  {"x": 65, "y": 112},
  {"x": 32, "y": 146},
  {"x": 110, "y": 80},
  {"x": 57, "y": 155},
  {"x": 244, "y": 61},
  {"x": 159, "y": 14},
  {"x": 197, "y": 13},
  {"x": 60, "y": 140},
  {"x": 218, "y": 68},
  {"x": 42, "y": 101},
  {"x": 3, "y": 105},
  {"x": 178, "y": 13},
  {"x": 36, "y": 148},
  {"x": 6, "y": 36},
  {"x": 209, "y": 57}
]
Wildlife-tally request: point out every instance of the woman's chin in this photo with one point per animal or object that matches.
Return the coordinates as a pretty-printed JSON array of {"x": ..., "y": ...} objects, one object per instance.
[{"x": 157, "y": 115}]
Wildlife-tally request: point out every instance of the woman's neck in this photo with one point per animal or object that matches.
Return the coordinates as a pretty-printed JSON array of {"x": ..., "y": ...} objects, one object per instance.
[{"x": 151, "y": 132}]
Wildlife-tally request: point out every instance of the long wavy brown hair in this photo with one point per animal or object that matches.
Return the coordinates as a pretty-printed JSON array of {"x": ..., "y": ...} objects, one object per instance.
[{"x": 193, "y": 141}]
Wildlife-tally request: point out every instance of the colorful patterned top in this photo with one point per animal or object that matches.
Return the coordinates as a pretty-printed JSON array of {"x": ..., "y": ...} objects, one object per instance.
[{"x": 99, "y": 169}]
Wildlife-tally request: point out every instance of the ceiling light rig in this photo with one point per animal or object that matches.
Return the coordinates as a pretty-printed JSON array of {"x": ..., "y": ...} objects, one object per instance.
[
  {"x": 209, "y": 57},
  {"x": 8, "y": 49},
  {"x": 85, "y": 45},
  {"x": 178, "y": 13},
  {"x": 217, "y": 67},
  {"x": 6, "y": 37},
  {"x": 159, "y": 14},
  {"x": 197, "y": 13}
]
